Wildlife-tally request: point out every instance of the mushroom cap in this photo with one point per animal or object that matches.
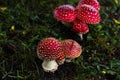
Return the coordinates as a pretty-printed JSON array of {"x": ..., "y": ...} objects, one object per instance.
[
  {"x": 49, "y": 49},
  {"x": 80, "y": 27},
  {"x": 65, "y": 13},
  {"x": 88, "y": 14},
  {"x": 93, "y": 3},
  {"x": 71, "y": 48}
]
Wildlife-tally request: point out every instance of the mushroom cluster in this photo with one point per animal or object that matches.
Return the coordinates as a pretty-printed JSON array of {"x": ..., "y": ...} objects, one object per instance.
[
  {"x": 54, "y": 52},
  {"x": 86, "y": 12}
]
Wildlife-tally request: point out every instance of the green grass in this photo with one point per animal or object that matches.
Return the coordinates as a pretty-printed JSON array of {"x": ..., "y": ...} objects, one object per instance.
[{"x": 23, "y": 23}]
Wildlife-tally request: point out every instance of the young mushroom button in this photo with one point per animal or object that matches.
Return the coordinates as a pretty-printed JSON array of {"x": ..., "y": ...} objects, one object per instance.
[
  {"x": 80, "y": 27},
  {"x": 71, "y": 49},
  {"x": 49, "y": 49},
  {"x": 61, "y": 59}
]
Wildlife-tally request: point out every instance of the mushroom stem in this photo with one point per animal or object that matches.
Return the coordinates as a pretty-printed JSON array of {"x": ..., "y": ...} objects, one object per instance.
[
  {"x": 60, "y": 63},
  {"x": 81, "y": 36},
  {"x": 68, "y": 60},
  {"x": 49, "y": 65}
]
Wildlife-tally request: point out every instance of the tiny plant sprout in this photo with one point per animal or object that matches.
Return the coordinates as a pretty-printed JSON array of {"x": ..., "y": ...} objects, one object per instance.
[
  {"x": 71, "y": 49},
  {"x": 49, "y": 49},
  {"x": 65, "y": 13}
]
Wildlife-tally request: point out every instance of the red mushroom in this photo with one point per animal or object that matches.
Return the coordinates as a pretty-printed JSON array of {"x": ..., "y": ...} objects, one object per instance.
[
  {"x": 65, "y": 13},
  {"x": 88, "y": 14},
  {"x": 93, "y": 3},
  {"x": 61, "y": 59},
  {"x": 49, "y": 49},
  {"x": 80, "y": 27},
  {"x": 71, "y": 49}
]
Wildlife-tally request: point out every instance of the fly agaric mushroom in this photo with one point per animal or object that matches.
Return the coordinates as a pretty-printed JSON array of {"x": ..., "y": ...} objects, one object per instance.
[
  {"x": 80, "y": 27},
  {"x": 93, "y": 3},
  {"x": 49, "y": 49},
  {"x": 88, "y": 14},
  {"x": 61, "y": 59},
  {"x": 71, "y": 49},
  {"x": 65, "y": 13}
]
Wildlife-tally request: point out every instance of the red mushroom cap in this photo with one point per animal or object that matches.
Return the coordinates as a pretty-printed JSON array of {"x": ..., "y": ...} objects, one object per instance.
[
  {"x": 49, "y": 49},
  {"x": 80, "y": 27},
  {"x": 65, "y": 13},
  {"x": 93, "y": 3},
  {"x": 71, "y": 48},
  {"x": 88, "y": 14}
]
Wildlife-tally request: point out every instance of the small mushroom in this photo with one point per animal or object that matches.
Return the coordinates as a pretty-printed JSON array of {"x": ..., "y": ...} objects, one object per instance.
[
  {"x": 65, "y": 13},
  {"x": 49, "y": 49},
  {"x": 88, "y": 14},
  {"x": 80, "y": 27},
  {"x": 61, "y": 59},
  {"x": 71, "y": 49}
]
